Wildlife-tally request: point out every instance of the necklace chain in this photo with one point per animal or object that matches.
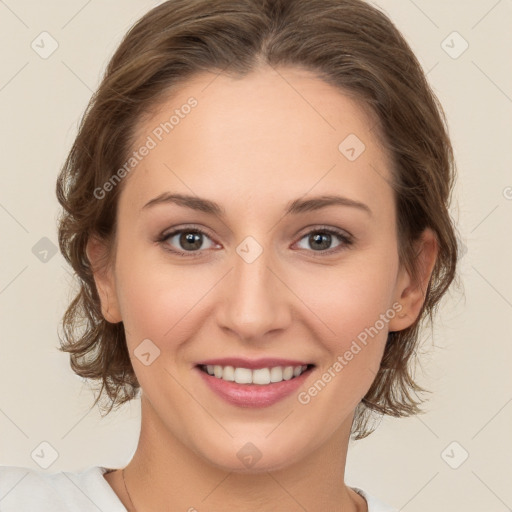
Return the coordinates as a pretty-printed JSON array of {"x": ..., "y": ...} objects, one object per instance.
[{"x": 126, "y": 489}]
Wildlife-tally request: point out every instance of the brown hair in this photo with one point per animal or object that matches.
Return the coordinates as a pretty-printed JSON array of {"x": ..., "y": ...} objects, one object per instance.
[{"x": 348, "y": 44}]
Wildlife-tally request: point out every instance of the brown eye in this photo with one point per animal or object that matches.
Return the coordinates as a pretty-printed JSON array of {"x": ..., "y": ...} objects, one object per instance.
[
  {"x": 185, "y": 241},
  {"x": 321, "y": 240}
]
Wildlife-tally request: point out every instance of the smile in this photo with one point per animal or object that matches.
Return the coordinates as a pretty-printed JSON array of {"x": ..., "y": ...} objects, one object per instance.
[
  {"x": 260, "y": 376},
  {"x": 256, "y": 387}
]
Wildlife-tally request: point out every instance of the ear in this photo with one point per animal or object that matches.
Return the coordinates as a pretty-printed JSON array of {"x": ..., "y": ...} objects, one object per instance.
[
  {"x": 409, "y": 293},
  {"x": 104, "y": 278}
]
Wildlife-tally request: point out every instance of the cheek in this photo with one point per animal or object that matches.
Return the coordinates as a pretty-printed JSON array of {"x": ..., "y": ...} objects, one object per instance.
[
  {"x": 349, "y": 298},
  {"x": 351, "y": 307},
  {"x": 157, "y": 304},
  {"x": 351, "y": 319},
  {"x": 155, "y": 299}
]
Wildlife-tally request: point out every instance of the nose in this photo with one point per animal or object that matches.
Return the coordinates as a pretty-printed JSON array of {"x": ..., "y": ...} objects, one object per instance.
[{"x": 255, "y": 299}]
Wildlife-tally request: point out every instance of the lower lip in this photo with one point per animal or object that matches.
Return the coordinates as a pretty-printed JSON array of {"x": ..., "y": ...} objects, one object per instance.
[{"x": 253, "y": 395}]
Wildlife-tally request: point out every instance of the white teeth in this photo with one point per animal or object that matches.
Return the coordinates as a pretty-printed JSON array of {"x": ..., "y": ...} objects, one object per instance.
[
  {"x": 276, "y": 374},
  {"x": 261, "y": 376},
  {"x": 242, "y": 375},
  {"x": 228, "y": 373},
  {"x": 288, "y": 373}
]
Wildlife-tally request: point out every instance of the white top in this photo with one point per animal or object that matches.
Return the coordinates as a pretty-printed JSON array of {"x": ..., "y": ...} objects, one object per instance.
[{"x": 27, "y": 490}]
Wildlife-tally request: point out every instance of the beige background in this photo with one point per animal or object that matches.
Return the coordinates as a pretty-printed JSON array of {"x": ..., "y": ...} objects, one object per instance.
[{"x": 468, "y": 359}]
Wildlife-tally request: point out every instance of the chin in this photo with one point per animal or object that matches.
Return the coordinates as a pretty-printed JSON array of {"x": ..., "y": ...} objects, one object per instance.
[{"x": 251, "y": 455}]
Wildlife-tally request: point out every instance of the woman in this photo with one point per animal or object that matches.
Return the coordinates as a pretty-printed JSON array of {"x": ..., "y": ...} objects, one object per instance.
[{"x": 256, "y": 205}]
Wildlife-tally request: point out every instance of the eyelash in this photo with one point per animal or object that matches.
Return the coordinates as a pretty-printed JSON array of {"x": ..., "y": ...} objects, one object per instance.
[{"x": 346, "y": 239}]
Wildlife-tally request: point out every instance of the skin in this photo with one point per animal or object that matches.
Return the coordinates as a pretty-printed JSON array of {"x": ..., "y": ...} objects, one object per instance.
[{"x": 253, "y": 145}]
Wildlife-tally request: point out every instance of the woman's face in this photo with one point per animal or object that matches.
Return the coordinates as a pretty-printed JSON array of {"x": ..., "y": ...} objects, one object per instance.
[{"x": 318, "y": 285}]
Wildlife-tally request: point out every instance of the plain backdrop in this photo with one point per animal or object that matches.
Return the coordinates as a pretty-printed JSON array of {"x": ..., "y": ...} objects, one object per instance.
[{"x": 456, "y": 457}]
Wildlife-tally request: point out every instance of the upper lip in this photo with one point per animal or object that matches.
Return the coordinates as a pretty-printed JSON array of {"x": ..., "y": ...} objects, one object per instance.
[{"x": 253, "y": 364}]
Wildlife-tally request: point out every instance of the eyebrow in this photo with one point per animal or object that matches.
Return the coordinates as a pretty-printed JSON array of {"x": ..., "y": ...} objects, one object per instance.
[{"x": 294, "y": 207}]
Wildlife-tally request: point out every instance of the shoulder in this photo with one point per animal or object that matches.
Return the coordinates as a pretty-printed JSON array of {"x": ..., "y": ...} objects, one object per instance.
[
  {"x": 374, "y": 503},
  {"x": 65, "y": 491}
]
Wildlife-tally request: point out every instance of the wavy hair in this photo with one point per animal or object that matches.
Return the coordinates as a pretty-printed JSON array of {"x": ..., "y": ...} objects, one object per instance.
[{"x": 347, "y": 43}]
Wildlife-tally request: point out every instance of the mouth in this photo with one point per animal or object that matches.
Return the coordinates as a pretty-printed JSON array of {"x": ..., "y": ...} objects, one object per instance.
[
  {"x": 254, "y": 383},
  {"x": 268, "y": 381},
  {"x": 264, "y": 376}
]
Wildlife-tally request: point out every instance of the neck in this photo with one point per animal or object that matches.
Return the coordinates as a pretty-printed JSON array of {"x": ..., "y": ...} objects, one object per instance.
[{"x": 165, "y": 474}]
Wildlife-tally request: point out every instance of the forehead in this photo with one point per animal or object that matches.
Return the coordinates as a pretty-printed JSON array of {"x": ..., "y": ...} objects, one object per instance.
[{"x": 235, "y": 138}]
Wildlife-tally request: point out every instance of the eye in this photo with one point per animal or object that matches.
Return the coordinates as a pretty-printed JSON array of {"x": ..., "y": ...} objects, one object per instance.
[
  {"x": 188, "y": 241},
  {"x": 321, "y": 239}
]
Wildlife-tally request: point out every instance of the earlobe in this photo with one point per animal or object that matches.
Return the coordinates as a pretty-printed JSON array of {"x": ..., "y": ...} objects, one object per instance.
[
  {"x": 104, "y": 279},
  {"x": 411, "y": 293}
]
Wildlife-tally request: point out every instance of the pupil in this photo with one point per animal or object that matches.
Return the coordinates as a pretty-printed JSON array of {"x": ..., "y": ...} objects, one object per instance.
[
  {"x": 318, "y": 238},
  {"x": 191, "y": 238}
]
